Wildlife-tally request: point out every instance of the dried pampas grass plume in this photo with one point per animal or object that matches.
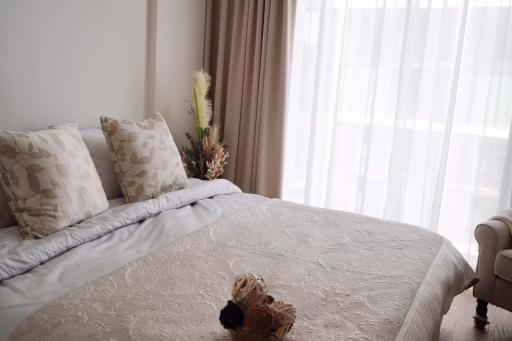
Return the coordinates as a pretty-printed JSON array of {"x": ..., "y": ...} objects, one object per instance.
[
  {"x": 206, "y": 156},
  {"x": 203, "y": 106}
]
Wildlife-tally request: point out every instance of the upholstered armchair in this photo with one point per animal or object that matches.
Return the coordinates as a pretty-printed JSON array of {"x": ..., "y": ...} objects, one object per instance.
[{"x": 494, "y": 266}]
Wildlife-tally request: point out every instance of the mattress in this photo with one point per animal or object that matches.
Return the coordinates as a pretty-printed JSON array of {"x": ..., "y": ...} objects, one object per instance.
[{"x": 152, "y": 270}]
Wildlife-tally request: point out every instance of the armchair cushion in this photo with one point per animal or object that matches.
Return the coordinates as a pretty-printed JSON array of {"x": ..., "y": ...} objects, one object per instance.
[{"x": 503, "y": 266}]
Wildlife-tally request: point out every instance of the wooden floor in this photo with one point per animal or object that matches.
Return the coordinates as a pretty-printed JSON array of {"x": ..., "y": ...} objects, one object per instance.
[{"x": 458, "y": 323}]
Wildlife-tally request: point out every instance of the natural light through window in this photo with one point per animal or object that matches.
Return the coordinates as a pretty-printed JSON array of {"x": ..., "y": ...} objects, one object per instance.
[{"x": 402, "y": 110}]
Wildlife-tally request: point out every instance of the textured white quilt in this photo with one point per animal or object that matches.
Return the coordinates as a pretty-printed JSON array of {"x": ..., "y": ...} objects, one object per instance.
[
  {"x": 350, "y": 277},
  {"x": 23, "y": 294}
]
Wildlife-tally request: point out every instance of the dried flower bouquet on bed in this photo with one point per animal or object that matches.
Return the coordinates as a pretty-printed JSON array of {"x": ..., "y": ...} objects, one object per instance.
[
  {"x": 253, "y": 315},
  {"x": 206, "y": 157}
]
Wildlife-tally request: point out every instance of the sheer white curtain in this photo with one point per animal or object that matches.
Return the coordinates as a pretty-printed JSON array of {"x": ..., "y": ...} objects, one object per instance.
[{"x": 402, "y": 110}]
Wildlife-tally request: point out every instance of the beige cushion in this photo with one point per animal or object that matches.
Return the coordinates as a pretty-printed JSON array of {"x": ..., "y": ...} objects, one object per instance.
[
  {"x": 49, "y": 179},
  {"x": 503, "y": 265},
  {"x": 502, "y": 295},
  {"x": 146, "y": 160},
  {"x": 98, "y": 148}
]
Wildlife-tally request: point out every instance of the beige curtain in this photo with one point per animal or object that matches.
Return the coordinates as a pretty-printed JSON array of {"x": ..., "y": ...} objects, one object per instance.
[{"x": 246, "y": 52}]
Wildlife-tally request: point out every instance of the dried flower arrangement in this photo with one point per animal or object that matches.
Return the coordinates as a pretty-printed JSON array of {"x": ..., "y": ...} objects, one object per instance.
[
  {"x": 253, "y": 315},
  {"x": 206, "y": 156}
]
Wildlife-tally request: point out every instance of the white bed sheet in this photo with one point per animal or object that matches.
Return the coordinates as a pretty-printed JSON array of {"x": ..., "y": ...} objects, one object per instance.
[{"x": 20, "y": 296}]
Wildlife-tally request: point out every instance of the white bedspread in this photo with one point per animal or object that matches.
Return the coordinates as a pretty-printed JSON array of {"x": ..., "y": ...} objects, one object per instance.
[
  {"x": 22, "y": 295},
  {"x": 350, "y": 277}
]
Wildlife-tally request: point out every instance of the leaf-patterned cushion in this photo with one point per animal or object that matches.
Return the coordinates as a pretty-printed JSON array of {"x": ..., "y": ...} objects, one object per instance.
[
  {"x": 49, "y": 179},
  {"x": 146, "y": 160}
]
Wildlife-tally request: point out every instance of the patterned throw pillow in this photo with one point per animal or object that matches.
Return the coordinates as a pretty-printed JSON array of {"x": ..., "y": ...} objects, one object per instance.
[
  {"x": 49, "y": 179},
  {"x": 146, "y": 160}
]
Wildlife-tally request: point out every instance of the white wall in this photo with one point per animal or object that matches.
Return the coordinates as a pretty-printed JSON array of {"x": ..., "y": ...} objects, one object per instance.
[
  {"x": 179, "y": 52},
  {"x": 64, "y": 60}
]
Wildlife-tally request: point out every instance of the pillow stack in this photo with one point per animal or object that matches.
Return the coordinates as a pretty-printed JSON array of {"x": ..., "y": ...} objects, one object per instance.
[{"x": 51, "y": 182}]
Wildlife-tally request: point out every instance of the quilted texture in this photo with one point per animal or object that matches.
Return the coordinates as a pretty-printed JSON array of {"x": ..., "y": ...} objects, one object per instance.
[
  {"x": 146, "y": 160},
  {"x": 347, "y": 279},
  {"x": 49, "y": 179}
]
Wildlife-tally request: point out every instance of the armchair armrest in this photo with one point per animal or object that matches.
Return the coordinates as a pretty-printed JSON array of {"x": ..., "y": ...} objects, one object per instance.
[{"x": 492, "y": 236}]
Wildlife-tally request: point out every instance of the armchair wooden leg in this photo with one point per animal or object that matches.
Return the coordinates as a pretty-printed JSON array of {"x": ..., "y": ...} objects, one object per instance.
[{"x": 481, "y": 314}]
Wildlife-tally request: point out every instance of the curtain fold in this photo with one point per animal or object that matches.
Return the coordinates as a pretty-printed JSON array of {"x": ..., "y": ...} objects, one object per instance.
[
  {"x": 247, "y": 54},
  {"x": 401, "y": 109}
]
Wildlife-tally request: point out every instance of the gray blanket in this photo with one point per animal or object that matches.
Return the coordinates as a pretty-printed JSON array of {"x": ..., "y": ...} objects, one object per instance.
[{"x": 23, "y": 255}]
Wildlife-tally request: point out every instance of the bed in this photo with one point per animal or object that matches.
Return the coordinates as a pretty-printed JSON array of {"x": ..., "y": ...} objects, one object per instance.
[{"x": 163, "y": 268}]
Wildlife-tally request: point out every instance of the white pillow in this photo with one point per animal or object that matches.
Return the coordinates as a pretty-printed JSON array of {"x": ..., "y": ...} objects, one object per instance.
[{"x": 100, "y": 153}]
